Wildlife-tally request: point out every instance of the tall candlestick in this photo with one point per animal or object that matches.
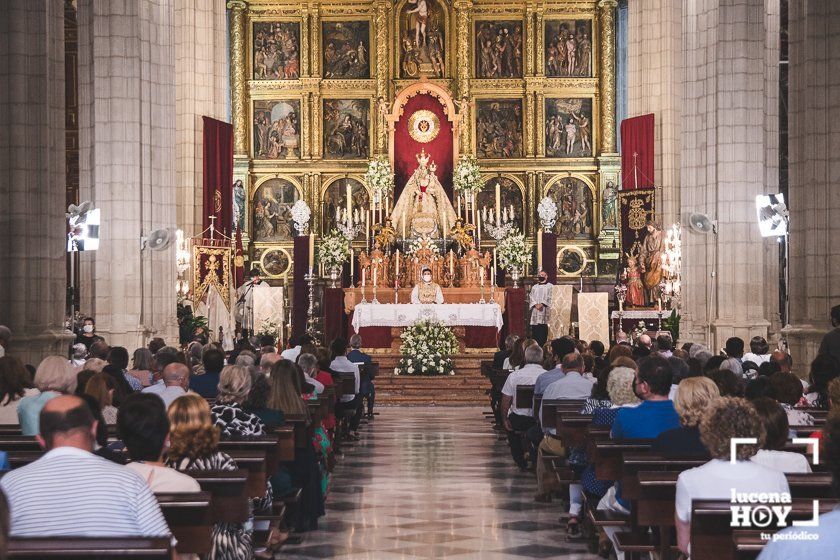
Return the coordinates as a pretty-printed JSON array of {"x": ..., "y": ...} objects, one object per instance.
[
  {"x": 478, "y": 232},
  {"x": 311, "y": 252},
  {"x": 352, "y": 255},
  {"x": 397, "y": 266},
  {"x": 375, "y": 270},
  {"x": 349, "y": 216},
  {"x": 459, "y": 205},
  {"x": 494, "y": 260},
  {"x": 498, "y": 202},
  {"x": 364, "y": 275},
  {"x": 452, "y": 264},
  {"x": 539, "y": 250}
]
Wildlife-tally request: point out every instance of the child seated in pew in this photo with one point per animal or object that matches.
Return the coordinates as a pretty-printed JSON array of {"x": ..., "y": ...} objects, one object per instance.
[
  {"x": 776, "y": 427},
  {"x": 725, "y": 419},
  {"x": 827, "y": 532}
]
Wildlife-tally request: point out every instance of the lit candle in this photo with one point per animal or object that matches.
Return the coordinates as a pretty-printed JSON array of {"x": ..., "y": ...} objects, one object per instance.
[
  {"x": 364, "y": 275},
  {"x": 539, "y": 249},
  {"x": 352, "y": 255},
  {"x": 452, "y": 263},
  {"x": 397, "y": 265},
  {"x": 498, "y": 201},
  {"x": 659, "y": 303},
  {"x": 494, "y": 260},
  {"x": 459, "y": 205},
  {"x": 403, "y": 228},
  {"x": 311, "y": 252},
  {"x": 375, "y": 270},
  {"x": 478, "y": 232},
  {"x": 349, "y": 215}
]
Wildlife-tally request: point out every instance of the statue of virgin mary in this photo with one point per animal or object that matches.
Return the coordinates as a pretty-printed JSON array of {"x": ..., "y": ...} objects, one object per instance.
[{"x": 423, "y": 208}]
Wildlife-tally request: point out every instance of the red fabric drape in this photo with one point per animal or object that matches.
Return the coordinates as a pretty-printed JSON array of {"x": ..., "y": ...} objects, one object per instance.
[
  {"x": 335, "y": 320},
  {"x": 372, "y": 337},
  {"x": 514, "y": 312},
  {"x": 300, "y": 291},
  {"x": 549, "y": 255},
  {"x": 637, "y": 138},
  {"x": 218, "y": 174},
  {"x": 406, "y": 148}
]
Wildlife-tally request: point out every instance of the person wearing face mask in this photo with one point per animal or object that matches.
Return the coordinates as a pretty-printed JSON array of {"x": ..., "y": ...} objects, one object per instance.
[
  {"x": 87, "y": 335},
  {"x": 540, "y": 300},
  {"x": 426, "y": 291}
]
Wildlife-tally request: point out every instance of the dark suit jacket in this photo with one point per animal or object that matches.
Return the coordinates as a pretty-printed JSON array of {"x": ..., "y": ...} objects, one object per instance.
[{"x": 499, "y": 359}]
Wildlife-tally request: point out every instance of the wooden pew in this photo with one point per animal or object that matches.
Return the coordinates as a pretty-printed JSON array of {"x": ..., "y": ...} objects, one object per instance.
[
  {"x": 229, "y": 492},
  {"x": 253, "y": 461},
  {"x": 712, "y": 533},
  {"x": 19, "y": 443},
  {"x": 189, "y": 518},
  {"x": 747, "y": 544},
  {"x": 524, "y": 397},
  {"x": 101, "y": 548},
  {"x": 572, "y": 427}
]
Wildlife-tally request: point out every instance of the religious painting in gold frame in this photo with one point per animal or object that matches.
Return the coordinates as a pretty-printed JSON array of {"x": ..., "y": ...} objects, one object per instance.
[
  {"x": 275, "y": 262},
  {"x": 575, "y": 208},
  {"x": 422, "y": 38},
  {"x": 276, "y": 129},
  {"x": 276, "y": 50},
  {"x": 499, "y": 48},
  {"x": 568, "y": 127},
  {"x": 346, "y": 50},
  {"x": 346, "y": 128},
  {"x": 498, "y": 128},
  {"x": 568, "y": 48},
  {"x": 271, "y": 204}
]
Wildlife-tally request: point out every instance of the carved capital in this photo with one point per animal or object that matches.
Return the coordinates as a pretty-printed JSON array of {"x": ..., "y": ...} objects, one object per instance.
[{"x": 237, "y": 4}]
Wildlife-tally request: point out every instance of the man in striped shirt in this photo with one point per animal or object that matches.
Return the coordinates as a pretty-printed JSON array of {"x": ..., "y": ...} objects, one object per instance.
[{"x": 72, "y": 492}]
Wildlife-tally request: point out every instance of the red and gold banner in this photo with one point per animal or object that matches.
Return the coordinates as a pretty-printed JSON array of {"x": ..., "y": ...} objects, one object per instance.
[
  {"x": 211, "y": 267},
  {"x": 637, "y": 152},
  {"x": 636, "y": 208},
  {"x": 218, "y": 175}
]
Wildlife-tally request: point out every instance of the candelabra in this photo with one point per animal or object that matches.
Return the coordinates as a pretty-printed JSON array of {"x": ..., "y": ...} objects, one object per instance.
[
  {"x": 498, "y": 232},
  {"x": 621, "y": 296},
  {"x": 374, "y": 300},
  {"x": 311, "y": 320},
  {"x": 351, "y": 231}
]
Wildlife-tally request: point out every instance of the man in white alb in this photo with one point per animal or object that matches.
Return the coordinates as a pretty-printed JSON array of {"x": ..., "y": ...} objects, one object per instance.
[
  {"x": 426, "y": 291},
  {"x": 539, "y": 303}
]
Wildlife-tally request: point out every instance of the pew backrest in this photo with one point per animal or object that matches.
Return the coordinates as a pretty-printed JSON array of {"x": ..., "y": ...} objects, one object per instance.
[
  {"x": 229, "y": 491},
  {"x": 102, "y": 548},
  {"x": 524, "y": 396},
  {"x": 189, "y": 518}
]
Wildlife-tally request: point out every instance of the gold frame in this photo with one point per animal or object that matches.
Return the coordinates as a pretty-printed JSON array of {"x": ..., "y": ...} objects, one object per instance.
[{"x": 268, "y": 249}]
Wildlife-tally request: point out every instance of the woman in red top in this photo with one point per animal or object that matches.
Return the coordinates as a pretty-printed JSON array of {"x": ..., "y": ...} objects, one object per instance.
[{"x": 325, "y": 378}]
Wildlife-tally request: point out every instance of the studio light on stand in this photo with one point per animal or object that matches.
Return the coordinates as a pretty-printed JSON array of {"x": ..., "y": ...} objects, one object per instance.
[
  {"x": 82, "y": 235},
  {"x": 774, "y": 221}
]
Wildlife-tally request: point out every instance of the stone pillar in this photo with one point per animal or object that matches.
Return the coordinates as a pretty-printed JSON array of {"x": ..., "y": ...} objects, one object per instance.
[
  {"x": 201, "y": 88},
  {"x": 606, "y": 18},
  {"x": 127, "y": 165},
  {"x": 814, "y": 125},
  {"x": 238, "y": 76},
  {"x": 32, "y": 224},
  {"x": 724, "y": 157}
]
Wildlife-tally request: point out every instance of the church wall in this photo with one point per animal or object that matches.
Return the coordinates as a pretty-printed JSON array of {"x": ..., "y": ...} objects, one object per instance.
[{"x": 526, "y": 90}]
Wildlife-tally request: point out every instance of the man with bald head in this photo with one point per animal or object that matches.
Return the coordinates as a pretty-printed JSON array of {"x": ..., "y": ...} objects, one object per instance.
[
  {"x": 267, "y": 362},
  {"x": 72, "y": 492},
  {"x": 175, "y": 381}
]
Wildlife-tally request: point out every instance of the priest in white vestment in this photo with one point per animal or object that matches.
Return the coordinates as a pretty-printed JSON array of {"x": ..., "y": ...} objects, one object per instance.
[
  {"x": 426, "y": 291},
  {"x": 540, "y": 312},
  {"x": 245, "y": 303}
]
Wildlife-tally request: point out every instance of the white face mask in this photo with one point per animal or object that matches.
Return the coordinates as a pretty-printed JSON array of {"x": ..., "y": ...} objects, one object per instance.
[
  {"x": 88, "y": 328},
  {"x": 427, "y": 278}
]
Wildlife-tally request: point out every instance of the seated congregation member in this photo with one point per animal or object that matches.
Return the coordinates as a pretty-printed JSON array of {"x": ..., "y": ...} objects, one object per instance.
[
  {"x": 517, "y": 356},
  {"x": 193, "y": 446},
  {"x": 725, "y": 419},
  {"x": 142, "y": 366},
  {"x": 175, "y": 380},
  {"x": 308, "y": 364},
  {"x": 207, "y": 384},
  {"x": 257, "y": 401},
  {"x": 787, "y": 389},
  {"x": 101, "y": 387},
  {"x": 619, "y": 351},
  {"x": 118, "y": 357},
  {"x": 292, "y": 351},
  {"x": 340, "y": 364},
  {"x": 14, "y": 386},
  {"x": 656, "y": 413},
  {"x": 679, "y": 371},
  {"x": 78, "y": 355},
  {"x": 776, "y": 428},
  {"x": 505, "y": 351},
  {"x": 664, "y": 346},
  {"x": 143, "y": 427},
  {"x": 560, "y": 347},
  {"x": 71, "y": 492},
  {"x": 101, "y": 446},
  {"x": 267, "y": 362},
  {"x": 826, "y": 533},
  {"x": 694, "y": 396},
  {"x": 824, "y": 368},
  {"x": 728, "y": 383},
  {"x": 759, "y": 351},
  {"x": 573, "y": 385},
  {"x": 520, "y": 419},
  {"x": 228, "y": 415},
  {"x": 322, "y": 375},
  {"x": 52, "y": 378},
  {"x": 366, "y": 387}
]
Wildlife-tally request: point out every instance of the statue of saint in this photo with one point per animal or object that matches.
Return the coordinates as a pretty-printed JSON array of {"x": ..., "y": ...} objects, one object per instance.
[
  {"x": 650, "y": 257},
  {"x": 427, "y": 291},
  {"x": 423, "y": 208}
]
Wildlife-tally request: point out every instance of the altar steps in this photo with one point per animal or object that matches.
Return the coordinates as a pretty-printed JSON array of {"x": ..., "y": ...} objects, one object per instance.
[{"x": 466, "y": 388}]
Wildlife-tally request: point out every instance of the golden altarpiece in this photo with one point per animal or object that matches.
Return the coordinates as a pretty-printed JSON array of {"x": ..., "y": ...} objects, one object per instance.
[{"x": 528, "y": 87}]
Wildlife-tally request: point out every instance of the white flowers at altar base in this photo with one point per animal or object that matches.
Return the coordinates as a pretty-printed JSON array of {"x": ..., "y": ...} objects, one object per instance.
[
  {"x": 380, "y": 177},
  {"x": 426, "y": 349},
  {"x": 269, "y": 328},
  {"x": 301, "y": 213},
  {"x": 466, "y": 177},
  {"x": 511, "y": 251},
  {"x": 424, "y": 242},
  {"x": 334, "y": 249},
  {"x": 547, "y": 209}
]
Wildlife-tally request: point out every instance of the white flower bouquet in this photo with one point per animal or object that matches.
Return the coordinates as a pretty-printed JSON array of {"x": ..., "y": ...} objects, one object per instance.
[
  {"x": 425, "y": 242},
  {"x": 269, "y": 328},
  {"x": 466, "y": 177},
  {"x": 426, "y": 349},
  {"x": 334, "y": 249},
  {"x": 301, "y": 213},
  {"x": 547, "y": 209},
  {"x": 380, "y": 177},
  {"x": 511, "y": 251}
]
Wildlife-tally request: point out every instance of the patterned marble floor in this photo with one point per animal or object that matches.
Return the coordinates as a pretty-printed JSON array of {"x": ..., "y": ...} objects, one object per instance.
[{"x": 434, "y": 483}]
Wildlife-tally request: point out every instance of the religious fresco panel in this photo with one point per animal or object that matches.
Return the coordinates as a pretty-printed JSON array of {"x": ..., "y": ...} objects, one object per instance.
[
  {"x": 498, "y": 128},
  {"x": 346, "y": 48},
  {"x": 272, "y": 211},
  {"x": 276, "y": 129},
  {"x": 346, "y": 128},
  {"x": 276, "y": 48}
]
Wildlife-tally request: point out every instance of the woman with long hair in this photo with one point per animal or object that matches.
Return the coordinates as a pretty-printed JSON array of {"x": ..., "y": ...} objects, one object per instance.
[
  {"x": 14, "y": 385},
  {"x": 101, "y": 387},
  {"x": 142, "y": 366},
  {"x": 194, "y": 446}
]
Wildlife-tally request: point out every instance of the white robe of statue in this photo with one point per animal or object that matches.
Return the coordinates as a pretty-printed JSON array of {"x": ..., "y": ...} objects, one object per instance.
[{"x": 423, "y": 208}]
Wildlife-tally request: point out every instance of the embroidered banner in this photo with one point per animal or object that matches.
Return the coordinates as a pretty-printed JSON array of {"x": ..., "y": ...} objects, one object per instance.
[
  {"x": 636, "y": 208},
  {"x": 211, "y": 267}
]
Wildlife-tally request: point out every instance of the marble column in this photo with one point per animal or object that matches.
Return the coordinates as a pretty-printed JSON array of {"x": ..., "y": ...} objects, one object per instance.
[
  {"x": 201, "y": 88},
  {"x": 127, "y": 165},
  {"x": 724, "y": 156},
  {"x": 32, "y": 190},
  {"x": 814, "y": 125}
]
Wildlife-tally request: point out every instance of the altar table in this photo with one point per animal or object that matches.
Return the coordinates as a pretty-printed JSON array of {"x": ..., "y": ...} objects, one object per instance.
[{"x": 405, "y": 314}]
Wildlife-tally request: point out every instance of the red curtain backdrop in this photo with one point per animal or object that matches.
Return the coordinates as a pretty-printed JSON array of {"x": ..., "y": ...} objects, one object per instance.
[
  {"x": 637, "y": 138},
  {"x": 218, "y": 174},
  {"x": 406, "y": 148},
  {"x": 549, "y": 256},
  {"x": 300, "y": 291},
  {"x": 514, "y": 313},
  {"x": 335, "y": 320}
]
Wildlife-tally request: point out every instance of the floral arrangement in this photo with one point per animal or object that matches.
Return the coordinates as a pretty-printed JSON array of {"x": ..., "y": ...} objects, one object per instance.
[
  {"x": 511, "y": 251},
  {"x": 547, "y": 209},
  {"x": 421, "y": 243},
  {"x": 466, "y": 177},
  {"x": 269, "y": 328},
  {"x": 301, "y": 214},
  {"x": 380, "y": 177},
  {"x": 334, "y": 249},
  {"x": 426, "y": 347}
]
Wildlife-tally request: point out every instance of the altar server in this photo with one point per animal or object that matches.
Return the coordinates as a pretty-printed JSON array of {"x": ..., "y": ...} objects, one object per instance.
[
  {"x": 426, "y": 291},
  {"x": 540, "y": 300}
]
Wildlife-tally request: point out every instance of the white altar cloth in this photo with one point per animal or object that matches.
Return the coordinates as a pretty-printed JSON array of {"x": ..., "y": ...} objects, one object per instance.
[{"x": 405, "y": 314}]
